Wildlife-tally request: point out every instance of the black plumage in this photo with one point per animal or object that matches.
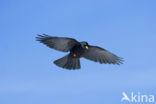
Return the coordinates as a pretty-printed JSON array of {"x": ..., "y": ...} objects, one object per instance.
[{"x": 77, "y": 50}]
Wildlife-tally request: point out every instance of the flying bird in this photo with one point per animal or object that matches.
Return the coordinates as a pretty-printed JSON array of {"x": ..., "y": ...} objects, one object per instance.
[{"x": 76, "y": 51}]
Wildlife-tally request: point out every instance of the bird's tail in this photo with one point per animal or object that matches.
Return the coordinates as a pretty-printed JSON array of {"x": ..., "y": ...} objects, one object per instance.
[{"x": 68, "y": 62}]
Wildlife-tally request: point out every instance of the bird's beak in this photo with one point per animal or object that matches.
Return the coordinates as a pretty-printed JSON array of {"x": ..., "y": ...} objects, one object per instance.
[{"x": 86, "y": 47}]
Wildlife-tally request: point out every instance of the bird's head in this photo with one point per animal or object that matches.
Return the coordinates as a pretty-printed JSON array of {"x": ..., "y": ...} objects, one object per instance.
[{"x": 84, "y": 45}]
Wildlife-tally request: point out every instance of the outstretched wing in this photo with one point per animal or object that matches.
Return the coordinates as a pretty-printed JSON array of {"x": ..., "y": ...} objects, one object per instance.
[
  {"x": 101, "y": 55},
  {"x": 58, "y": 43}
]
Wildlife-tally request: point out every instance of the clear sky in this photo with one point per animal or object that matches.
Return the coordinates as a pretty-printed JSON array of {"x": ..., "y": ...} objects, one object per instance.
[{"x": 124, "y": 27}]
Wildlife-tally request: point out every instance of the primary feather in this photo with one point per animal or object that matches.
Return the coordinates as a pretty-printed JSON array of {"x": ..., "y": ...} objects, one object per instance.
[
  {"x": 101, "y": 55},
  {"x": 58, "y": 43}
]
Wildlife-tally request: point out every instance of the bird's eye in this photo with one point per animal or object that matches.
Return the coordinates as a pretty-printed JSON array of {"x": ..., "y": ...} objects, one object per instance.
[{"x": 86, "y": 47}]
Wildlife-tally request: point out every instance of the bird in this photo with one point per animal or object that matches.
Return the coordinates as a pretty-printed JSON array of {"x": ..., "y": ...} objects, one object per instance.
[{"x": 77, "y": 50}]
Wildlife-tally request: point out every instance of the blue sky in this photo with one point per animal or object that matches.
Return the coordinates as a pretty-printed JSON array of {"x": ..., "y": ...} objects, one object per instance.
[{"x": 124, "y": 27}]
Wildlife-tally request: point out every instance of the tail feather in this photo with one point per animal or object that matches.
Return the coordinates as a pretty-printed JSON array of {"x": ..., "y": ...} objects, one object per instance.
[
  {"x": 77, "y": 63},
  {"x": 68, "y": 62},
  {"x": 71, "y": 63}
]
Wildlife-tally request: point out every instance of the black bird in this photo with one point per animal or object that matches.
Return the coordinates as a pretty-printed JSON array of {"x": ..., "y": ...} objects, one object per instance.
[{"x": 77, "y": 50}]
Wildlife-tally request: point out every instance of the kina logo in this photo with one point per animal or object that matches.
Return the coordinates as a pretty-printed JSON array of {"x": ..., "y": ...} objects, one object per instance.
[{"x": 137, "y": 98}]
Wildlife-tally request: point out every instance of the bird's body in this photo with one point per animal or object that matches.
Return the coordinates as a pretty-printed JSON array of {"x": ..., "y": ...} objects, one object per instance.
[{"x": 77, "y": 50}]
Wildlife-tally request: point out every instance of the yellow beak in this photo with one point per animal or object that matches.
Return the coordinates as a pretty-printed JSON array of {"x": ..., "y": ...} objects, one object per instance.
[{"x": 86, "y": 47}]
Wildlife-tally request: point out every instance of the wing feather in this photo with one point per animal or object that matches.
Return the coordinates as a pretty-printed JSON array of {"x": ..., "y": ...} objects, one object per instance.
[
  {"x": 58, "y": 43},
  {"x": 101, "y": 55}
]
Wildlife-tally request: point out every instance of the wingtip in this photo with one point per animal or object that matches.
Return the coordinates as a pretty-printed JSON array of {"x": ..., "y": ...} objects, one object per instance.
[
  {"x": 40, "y": 37},
  {"x": 120, "y": 61}
]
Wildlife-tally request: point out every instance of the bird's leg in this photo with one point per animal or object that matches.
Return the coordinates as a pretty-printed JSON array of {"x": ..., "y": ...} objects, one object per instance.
[{"x": 74, "y": 55}]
